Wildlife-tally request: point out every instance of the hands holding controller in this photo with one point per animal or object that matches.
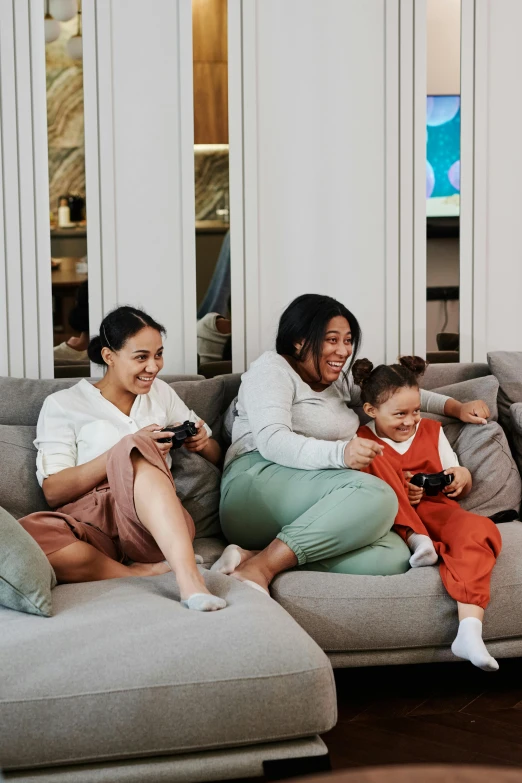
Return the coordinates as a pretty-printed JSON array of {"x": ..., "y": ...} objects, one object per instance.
[
  {"x": 193, "y": 436},
  {"x": 453, "y": 482}
]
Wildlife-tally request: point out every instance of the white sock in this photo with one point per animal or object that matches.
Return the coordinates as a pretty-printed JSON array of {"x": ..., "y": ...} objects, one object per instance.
[
  {"x": 424, "y": 553},
  {"x": 229, "y": 560},
  {"x": 199, "y": 559},
  {"x": 203, "y": 602},
  {"x": 469, "y": 645},
  {"x": 250, "y": 583}
]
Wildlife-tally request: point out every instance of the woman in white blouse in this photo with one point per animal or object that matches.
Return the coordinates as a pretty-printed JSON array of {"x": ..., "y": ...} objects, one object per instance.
[{"x": 103, "y": 468}]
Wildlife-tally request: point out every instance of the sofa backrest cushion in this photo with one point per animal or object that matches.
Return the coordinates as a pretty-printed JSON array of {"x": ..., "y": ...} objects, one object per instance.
[
  {"x": 449, "y": 373},
  {"x": 197, "y": 481},
  {"x": 20, "y": 493},
  {"x": 483, "y": 449},
  {"x": 507, "y": 367},
  {"x": 21, "y": 399},
  {"x": 481, "y": 388}
]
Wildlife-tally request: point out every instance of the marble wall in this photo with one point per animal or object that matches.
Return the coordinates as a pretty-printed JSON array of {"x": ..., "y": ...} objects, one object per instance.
[
  {"x": 65, "y": 126},
  {"x": 211, "y": 180},
  {"x": 64, "y": 119}
]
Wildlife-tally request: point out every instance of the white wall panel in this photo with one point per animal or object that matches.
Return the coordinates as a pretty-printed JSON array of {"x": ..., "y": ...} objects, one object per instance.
[
  {"x": 25, "y": 272},
  {"x": 140, "y": 164},
  {"x": 500, "y": 152},
  {"x": 314, "y": 156}
]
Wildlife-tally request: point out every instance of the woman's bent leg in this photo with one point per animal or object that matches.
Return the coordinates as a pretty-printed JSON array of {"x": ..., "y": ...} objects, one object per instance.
[
  {"x": 386, "y": 557},
  {"x": 316, "y": 515},
  {"x": 81, "y": 562},
  {"x": 161, "y": 513},
  {"x": 319, "y": 514}
]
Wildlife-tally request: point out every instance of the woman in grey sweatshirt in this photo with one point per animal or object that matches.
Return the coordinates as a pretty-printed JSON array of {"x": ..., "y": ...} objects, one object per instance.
[{"x": 292, "y": 485}]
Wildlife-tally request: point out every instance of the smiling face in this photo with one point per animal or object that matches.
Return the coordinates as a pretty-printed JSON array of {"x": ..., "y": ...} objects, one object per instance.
[
  {"x": 137, "y": 363},
  {"x": 398, "y": 416},
  {"x": 336, "y": 350}
]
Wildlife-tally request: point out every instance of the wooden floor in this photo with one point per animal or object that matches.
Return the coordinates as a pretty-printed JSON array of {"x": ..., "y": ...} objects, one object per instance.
[{"x": 445, "y": 713}]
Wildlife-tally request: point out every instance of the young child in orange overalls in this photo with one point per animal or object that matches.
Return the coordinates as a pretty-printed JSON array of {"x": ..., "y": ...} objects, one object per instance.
[{"x": 437, "y": 526}]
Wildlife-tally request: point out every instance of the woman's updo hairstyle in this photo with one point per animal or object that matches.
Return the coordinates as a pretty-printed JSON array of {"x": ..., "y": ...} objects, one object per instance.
[
  {"x": 380, "y": 383},
  {"x": 305, "y": 320},
  {"x": 117, "y": 327}
]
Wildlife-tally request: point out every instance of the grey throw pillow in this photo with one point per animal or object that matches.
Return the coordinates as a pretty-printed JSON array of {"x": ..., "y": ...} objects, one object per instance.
[
  {"x": 26, "y": 577},
  {"x": 507, "y": 367},
  {"x": 20, "y": 493},
  {"x": 483, "y": 388},
  {"x": 198, "y": 487},
  {"x": 197, "y": 480},
  {"x": 515, "y": 432},
  {"x": 483, "y": 449},
  {"x": 204, "y": 397}
]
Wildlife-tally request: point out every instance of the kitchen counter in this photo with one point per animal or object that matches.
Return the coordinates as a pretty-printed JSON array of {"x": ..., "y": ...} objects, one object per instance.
[
  {"x": 211, "y": 227},
  {"x": 78, "y": 231},
  {"x": 202, "y": 227}
]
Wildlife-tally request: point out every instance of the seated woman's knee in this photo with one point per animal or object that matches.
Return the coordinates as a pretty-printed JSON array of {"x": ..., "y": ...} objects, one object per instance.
[
  {"x": 380, "y": 505},
  {"x": 394, "y": 557}
]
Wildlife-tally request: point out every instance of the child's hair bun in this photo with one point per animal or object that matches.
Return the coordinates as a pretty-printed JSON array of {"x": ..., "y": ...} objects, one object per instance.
[
  {"x": 361, "y": 371},
  {"x": 414, "y": 364}
]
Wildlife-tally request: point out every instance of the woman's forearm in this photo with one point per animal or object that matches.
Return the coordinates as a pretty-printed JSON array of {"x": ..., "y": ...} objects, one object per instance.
[
  {"x": 212, "y": 451},
  {"x": 71, "y": 483},
  {"x": 452, "y": 408}
]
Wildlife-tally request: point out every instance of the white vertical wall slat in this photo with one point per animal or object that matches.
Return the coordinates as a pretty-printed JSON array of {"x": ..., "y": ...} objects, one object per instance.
[
  {"x": 251, "y": 181},
  {"x": 419, "y": 177},
  {"x": 99, "y": 161},
  {"x": 187, "y": 186},
  {"x": 26, "y": 195},
  {"x": 12, "y": 244},
  {"x": 480, "y": 183},
  {"x": 467, "y": 123},
  {"x": 4, "y": 196},
  {"x": 40, "y": 190},
  {"x": 392, "y": 180},
  {"x": 406, "y": 176},
  {"x": 236, "y": 182},
  {"x": 25, "y": 279}
]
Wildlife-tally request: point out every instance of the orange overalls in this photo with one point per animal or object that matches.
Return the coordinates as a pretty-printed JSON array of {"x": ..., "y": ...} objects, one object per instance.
[{"x": 467, "y": 543}]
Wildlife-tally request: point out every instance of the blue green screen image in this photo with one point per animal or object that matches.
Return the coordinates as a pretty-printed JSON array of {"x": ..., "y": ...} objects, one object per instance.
[{"x": 443, "y": 146}]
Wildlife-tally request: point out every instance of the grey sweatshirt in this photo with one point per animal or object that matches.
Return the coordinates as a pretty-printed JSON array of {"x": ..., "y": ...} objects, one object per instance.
[{"x": 279, "y": 415}]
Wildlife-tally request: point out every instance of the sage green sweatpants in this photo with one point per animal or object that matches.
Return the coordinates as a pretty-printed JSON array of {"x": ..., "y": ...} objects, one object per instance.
[{"x": 333, "y": 520}]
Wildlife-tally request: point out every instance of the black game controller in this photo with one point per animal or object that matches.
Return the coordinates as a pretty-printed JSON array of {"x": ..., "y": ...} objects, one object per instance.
[
  {"x": 432, "y": 483},
  {"x": 179, "y": 434}
]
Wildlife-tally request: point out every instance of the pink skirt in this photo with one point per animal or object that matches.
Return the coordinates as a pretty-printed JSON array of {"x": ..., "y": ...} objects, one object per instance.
[{"x": 106, "y": 517}]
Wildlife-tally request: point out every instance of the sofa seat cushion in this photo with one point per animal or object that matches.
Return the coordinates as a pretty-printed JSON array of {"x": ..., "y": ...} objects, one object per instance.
[
  {"x": 346, "y": 613},
  {"x": 122, "y": 670}
]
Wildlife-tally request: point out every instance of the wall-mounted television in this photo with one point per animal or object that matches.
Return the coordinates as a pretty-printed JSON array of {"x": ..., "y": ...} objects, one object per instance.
[{"x": 443, "y": 156}]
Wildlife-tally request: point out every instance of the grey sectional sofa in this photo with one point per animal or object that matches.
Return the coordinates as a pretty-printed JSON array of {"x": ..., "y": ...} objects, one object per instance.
[{"x": 122, "y": 684}]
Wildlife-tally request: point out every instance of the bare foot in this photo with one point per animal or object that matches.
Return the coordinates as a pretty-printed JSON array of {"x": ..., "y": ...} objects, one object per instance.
[
  {"x": 148, "y": 569},
  {"x": 250, "y": 571}
]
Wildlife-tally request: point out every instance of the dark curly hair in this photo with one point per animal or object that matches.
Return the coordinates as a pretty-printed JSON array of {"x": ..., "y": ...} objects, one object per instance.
[{"x": 380, "y": 383}]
